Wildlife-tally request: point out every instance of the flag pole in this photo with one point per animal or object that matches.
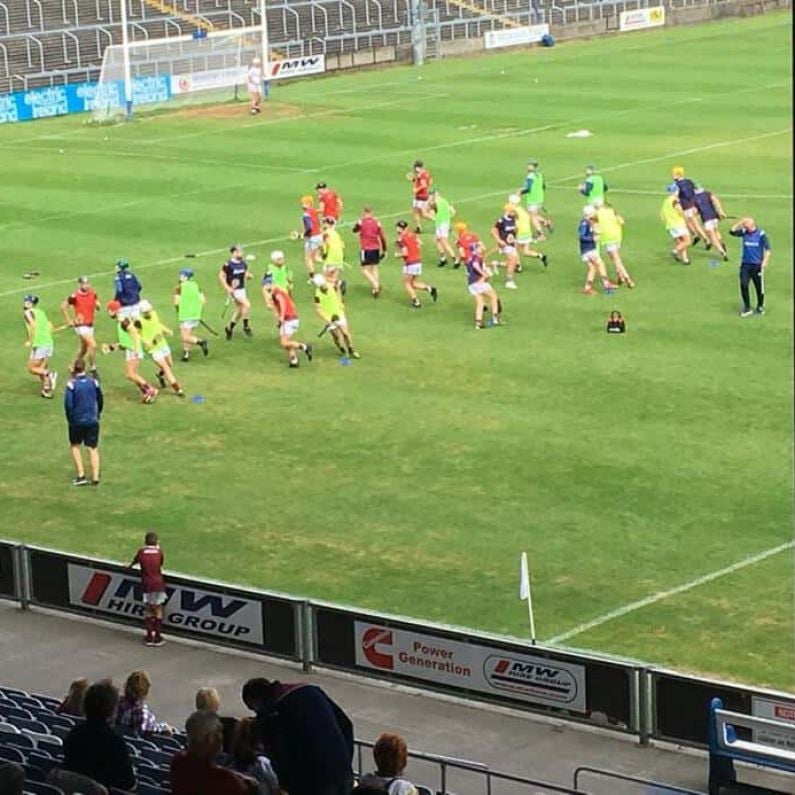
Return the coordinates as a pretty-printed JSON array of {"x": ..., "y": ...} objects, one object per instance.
[{"x": 526, "y": 593}]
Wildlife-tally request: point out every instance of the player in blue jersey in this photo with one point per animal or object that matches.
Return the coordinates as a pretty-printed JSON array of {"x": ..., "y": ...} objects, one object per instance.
[
  {"x": 504, "y": 233},
  {"x": 478, "y": 275},
  {"x": 687, "y": 201},
  {"x": 755, "y": 259},
  {"x": 710, "y": 211},
  {"x": 588, "y": 234},
  {"x": 232, "y": 276}
]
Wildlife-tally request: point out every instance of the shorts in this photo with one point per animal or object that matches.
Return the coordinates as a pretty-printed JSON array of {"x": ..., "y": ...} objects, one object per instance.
[
  {"x": 677, "y": 231},
  {"x": 533, "y": 208},
  {"x": 711, "y": 224},
  {"x": 443, "y": 231},
  {"x": 133, "y": 356},
  {"x": 415, "y": 269},
  {"x": 690, "y": 212},
  {"x": 188, "y": 324},
  {"x": 155, "y": 598},
  {"x": 42, "y": 353},
  {"x": 370, "y": 257},
  {"x": 613, "y": 246},
  {"x": 289, "y": 327},
  {"x": 600, "y": 202},
  {"x": 509, "y": 251},
  {"x": 313, "y": 243},
  {"x": 340, "y": 322},
  {"x": 590, "y": 256},
  {"x": 524, "y": 240},
  {"x": 84, "y": 434},
  {"x": 84, "y": 331},
  {"x": 420, "y": 204},
  {"x": 239, "y": 294},
  {"x": 131, "y": 311},
  {"x": 160, "y": 353},
  {"x": 479, "y": 288},
  {"x": 254, "y": 88}
]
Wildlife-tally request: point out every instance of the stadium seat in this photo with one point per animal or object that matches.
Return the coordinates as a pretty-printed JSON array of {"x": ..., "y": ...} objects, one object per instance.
[
  {"x": 166, "y": 743},
  {"x": 40, "y": 788},
  {"x": 423, "y": 790},
  {"x": 50, "y": 720},
  {"x": 29, "y": 703},
  {"x": 47, "y": 742},
  {"x": 30, "y": 726},
  {"x": 60, "y": 731},
  {"x": 158, "y": 757},
  {"x": 18, "y": 740},
  {"x": 140, "y": 744},
  {"x": 8, "y": 754},
  {"x": 8, "y": 728},
  {"x": 9, "y": 692},
  {"x": 42, "y": 761},
  {"x": 13, "y": 711},
  {"x": 149, "y": 789},
  {"x": 48, "y": 701},
  {"x": 33, "y": 773}
]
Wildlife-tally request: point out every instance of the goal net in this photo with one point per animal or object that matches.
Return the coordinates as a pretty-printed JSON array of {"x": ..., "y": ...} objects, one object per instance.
[{"x": 176, "y": 70}]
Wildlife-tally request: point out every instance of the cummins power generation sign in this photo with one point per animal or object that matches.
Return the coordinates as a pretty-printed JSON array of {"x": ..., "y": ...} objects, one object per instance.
[
  {"x": 205, "y": 612},
  {"x": 536, "y": 680}
]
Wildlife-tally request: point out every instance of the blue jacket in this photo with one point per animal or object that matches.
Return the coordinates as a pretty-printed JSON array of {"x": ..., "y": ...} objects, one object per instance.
[
  {"x": 127, "y": 288},
  {"x": 82, "y": 400}
]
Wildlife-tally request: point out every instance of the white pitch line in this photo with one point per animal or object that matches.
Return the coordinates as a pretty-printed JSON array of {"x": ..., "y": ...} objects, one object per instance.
[
  {"x": 661, "y": 595},
  {"x": 632, "y": 192}
]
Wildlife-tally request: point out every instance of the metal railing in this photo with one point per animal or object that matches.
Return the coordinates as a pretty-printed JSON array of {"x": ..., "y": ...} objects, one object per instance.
[
  {"x": 615, "y": 776},
  {"x": 446, "y": 764}
]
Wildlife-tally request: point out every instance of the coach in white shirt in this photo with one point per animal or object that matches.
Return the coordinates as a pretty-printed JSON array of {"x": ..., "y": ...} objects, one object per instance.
[{"x": 254, "y": 80}]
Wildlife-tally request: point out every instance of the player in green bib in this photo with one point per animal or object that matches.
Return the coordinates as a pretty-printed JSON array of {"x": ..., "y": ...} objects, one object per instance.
[
  {"x": 594, "y": 188},
  {"x": 533, "y": 192},
  {"x": 128, "y": 339},
  {"x": 41, "y": 344},
  {"x": 443, "y": 213},
  {"x": 331, "y": 310},
  {"x": 189, "y": 301}
]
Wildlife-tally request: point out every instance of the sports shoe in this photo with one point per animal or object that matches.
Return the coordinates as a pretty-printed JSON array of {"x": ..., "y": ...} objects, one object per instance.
[
  {"x": 150, "y": 395},
  {"x": 442, "y": 263},
  {"x": 544, "y": 260},
  {"x": 610, "y": 286},
  {"x": 675, "y": 255},
  {"x": 456, "y": 264},
  {"x": 247, "y": 331},
  {"x": 46, "y": 394},
  {"x": 293, "y": 361},
  {"x": 158, "y": 642},
  {"x": 511, "y": 285},
  {"x": 479, "y": 325},
  {"x": 204, "y": 346},
  {"x": 80, "y": 480},
  {"x": 185, "y": 356},
  {"x": 309, "y": 352},
  {"x": 94, "y": 373},
  {"x": 180, "y": 393},
  {"x": 376, "y": 291},
  {"x": 418, "y": 230},
  {"x": 588, "y": 291},
  {"x": 161, "y": 379},
  {"x": 53, "y": 380},
  {"x": 343, "y": 287},
  {"x": 746, "y": 312},
  {"x": 228, "y": 332},
  {"x": 707, "y": 246},
  {"x": 494, "y": 321},
  {"x": 519, "y": 267},
  {"x": 760, "y": 310},
  {"x": 355, "y": 354},
  {"x": 415, "y": 303},
  {"x": 95, "y": 483},
  {"x": 149, "y": 642},
  {"x": 630, "y": 284},
  {"x": 685, "y": 261},
  {"x": 696, "y": 240},
  {"x": 434, "y": 294}
]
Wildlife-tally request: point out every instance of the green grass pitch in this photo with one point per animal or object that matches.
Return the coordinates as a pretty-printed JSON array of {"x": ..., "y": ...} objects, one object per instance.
[{"x": 410, "y": 481}]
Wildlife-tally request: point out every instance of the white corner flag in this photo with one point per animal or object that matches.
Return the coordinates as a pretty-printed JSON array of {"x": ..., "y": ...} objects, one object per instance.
[{"x": 524, "y": 594}]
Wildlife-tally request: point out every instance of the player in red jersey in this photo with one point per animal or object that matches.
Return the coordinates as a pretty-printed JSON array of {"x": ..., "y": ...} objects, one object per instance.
[
  {"x": 465, "y": 239},
  {"x": 312, "y": 234},
  {"x": 329, "y": 203},
  {"x": 78, "y": 310},
  {"x": 150, "y": 560},
  {"x": 286, "y": 320},
  {"x": 421, "y": 181},
  {"x": 372, "y": 248},
  {"x": 408, "y": 247}
]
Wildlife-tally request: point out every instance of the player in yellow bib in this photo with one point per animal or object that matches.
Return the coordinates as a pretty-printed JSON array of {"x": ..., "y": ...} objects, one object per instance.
[
  {"x": 524, "y": 230},
  {"x": 153, "y": 337},
  {"x": 331, "y": 310},
  {"x": 611, "y": 234},
  {"x": 333, "y": 253},
  {"x": 675, "y": 222}
]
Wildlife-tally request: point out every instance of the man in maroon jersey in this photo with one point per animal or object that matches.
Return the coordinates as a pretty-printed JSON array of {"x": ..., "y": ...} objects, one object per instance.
[
  {"x": 372, "y": 244},
  {"x": 150, "y": 558}
]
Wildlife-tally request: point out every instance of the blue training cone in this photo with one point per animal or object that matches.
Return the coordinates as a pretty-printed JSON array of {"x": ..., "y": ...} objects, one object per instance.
[
  {"x": 345, "y": 360},
  {"x": 197, "y": 399}
]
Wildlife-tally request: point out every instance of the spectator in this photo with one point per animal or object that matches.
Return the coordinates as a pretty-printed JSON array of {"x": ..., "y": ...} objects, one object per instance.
[
  {"x": 390, "y": 754},
  {"x": 83, "y": 401},
  {"x": 94, "y": 749},
  {"x": 12, "y": 778},
  {"x": 208, "y": 700},
  {"x": 134, "y": 712},
  {"x": 248, "y": 758},
  {"x": 308, "y": 737},
  {"x": 194, "y": 771},
  {"x": 73, "y": 701}
]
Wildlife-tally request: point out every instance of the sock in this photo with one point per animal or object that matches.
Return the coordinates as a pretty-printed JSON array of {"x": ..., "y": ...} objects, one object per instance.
[
  {"x": 143, "y": 387},
  {"x": 158, "y": 628},
  {"x": 245, "y": 322},
  {"x": 176, "y": 387},
  {"x": 232, "y": 324},
  {"x": 149, "y": 625}
]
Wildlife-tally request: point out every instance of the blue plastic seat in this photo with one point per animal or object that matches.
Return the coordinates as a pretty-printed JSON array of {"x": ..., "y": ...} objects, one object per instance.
[
  {"x": 34, "y": 726},
  {"x": 19, "y": 740},
  {"x": 9, "y": 754},
  {"x": 10, "y": 711}
]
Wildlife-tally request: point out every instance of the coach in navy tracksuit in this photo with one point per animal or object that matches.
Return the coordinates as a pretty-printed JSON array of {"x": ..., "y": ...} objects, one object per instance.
[
  {"x": 755, "y": 258},
  {"x": 83, "y": 403}
]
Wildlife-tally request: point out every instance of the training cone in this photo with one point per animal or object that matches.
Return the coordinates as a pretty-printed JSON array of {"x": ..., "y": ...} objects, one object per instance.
[
  {"x": 345, "y": 360},
  {"x": 198, "y": 399}
]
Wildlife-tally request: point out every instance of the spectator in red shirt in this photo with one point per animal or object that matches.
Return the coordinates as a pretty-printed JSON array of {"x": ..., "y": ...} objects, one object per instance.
[
  {"x": 329, "y": 202},
  {"x": 372, "y": 245},
  {"x": 408, "y": 247},
  {"x": 194, "y": 770},
  {"x": 150, "y": 558},
  {"x": 421, "y": 182},
  {"x": 78, "y": 310}
]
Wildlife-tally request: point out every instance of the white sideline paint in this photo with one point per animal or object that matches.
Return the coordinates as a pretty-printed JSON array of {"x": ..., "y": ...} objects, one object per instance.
[
  {"x": 661, "y": 595},
  {"x": 282, "y": 238}
]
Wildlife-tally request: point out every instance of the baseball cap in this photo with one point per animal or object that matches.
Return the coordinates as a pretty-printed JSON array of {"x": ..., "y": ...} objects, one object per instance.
[
  {"x": 31, "y": 299},
  {"x": 401, "y": 224},
  {"x": 277, "y": 256},
  {"x": 113, "y": 306},
  {"x": 145, "y": 306},
  {"x": 122, "y": 263},
  {"x": 187, "y": 273}
]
